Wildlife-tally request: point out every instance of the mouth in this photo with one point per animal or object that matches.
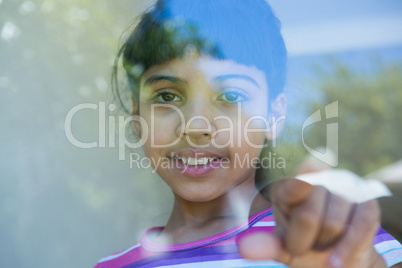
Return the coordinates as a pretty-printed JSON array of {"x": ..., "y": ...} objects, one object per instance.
[
  {"x": 196, "y": 157},
  {"x": 197, "y": 163}
]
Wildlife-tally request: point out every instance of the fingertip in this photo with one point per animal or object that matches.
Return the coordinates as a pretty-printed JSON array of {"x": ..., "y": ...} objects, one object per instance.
[
  {"x": 374, "y": 207},
  {"x": 260, "y": 246},
  {"x": 335, "y": 261}
]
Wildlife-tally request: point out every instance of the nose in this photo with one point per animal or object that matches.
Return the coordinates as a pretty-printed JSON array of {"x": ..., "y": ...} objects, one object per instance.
[{"x": 198, "y": 122}]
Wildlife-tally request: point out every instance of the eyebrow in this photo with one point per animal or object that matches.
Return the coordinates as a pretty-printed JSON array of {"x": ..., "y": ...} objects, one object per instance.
[
  {"x": 221, "y": 78},
  {"x": 156, "y": 78}
]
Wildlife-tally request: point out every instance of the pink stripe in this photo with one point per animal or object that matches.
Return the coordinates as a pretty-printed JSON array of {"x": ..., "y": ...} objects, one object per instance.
[
  {"x": 133, "y": 255},
  {"x": 148, "y": 248},
  {"x": 226, "y": 242},
  {"x": 151, "y": 246},
  {"x": 267, "y": 218}
]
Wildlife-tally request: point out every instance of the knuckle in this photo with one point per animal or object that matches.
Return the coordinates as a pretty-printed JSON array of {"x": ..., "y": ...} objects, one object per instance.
[
  {"x": 375, "y": 210},
  {"x": 367, "y": 220},
  {"x": 321, "y": 189},
  {"x": 307, "y": 219},
  {"x": 288, "y": 187},
  {"x": 332, "y": 229},
  {"x": 368, "y": 214}
]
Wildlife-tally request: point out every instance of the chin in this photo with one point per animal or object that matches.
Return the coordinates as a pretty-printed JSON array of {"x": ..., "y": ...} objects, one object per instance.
[{"x": 199, "y": 197}]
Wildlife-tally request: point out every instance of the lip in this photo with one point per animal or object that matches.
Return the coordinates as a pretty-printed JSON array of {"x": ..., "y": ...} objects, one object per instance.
[{"x": 197, "y": 170}]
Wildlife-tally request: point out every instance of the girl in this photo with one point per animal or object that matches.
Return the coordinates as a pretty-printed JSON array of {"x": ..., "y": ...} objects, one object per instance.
[{"x": 207, "y": 78}]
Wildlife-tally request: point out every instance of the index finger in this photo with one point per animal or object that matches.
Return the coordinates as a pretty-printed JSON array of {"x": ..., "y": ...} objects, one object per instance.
[{"x": 359, "y": 235}]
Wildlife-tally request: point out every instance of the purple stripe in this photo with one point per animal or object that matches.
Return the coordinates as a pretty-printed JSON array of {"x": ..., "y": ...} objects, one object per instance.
[
  {"x": 382, "y": 238},
  {"x": 246, "y": 227},
  {"x": 153, "y": 247},
  {"x": 187, "y": 256},
  {"x": 381, "y": 231}
]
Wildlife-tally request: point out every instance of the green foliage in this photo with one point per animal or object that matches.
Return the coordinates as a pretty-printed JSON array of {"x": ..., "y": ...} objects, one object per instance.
[{"x": 369, "y": 116}]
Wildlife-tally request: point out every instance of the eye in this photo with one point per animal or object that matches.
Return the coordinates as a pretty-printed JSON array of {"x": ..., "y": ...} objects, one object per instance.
[
  {"x": 232, "y": 97},
  {"x": 166, "y": 97}
]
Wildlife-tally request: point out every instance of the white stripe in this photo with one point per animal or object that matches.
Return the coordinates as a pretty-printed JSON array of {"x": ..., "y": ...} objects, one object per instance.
[
  {"x": 228, "y": 263},
  {"x": 262, "y": 224},
  {"x": 111, "y": 257},
  {"x": 387, "y": 245}
]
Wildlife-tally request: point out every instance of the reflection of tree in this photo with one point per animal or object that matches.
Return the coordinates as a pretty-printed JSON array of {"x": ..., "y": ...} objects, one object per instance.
[
  {"x": 370, "y": 130},
  {"x": 59, "y": 205}
]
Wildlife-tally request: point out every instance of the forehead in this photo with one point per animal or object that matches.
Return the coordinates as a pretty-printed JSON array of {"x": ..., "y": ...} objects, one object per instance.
[{"x": 208, "y": 68}]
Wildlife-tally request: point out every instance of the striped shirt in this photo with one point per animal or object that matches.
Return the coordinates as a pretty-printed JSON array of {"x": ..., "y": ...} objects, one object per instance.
[{"x": 221, "y": 250}]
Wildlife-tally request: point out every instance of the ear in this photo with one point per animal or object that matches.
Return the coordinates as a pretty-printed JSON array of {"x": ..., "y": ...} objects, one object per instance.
[
  {"x": 136, "y": 112},
  {"x": 277, "y": 117}
]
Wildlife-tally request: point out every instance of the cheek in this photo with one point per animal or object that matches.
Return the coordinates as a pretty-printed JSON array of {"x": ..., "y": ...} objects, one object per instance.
[
  {"x": 253, "y": 129},
  {"x": 254, "y": 132},
  {"x": 246, "y": 130},
  {"x": 162, "y": 128},
  {"x": 255, "y": 123}
]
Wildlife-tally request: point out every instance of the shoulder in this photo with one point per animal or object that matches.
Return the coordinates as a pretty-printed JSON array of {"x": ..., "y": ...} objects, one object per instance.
[
  {"x": 260, "y": 222},
  {"x": 121, "y": 258}
]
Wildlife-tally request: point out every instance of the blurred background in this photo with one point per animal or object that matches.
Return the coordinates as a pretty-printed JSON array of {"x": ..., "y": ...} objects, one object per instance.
[{"x": 62, "y": 206}]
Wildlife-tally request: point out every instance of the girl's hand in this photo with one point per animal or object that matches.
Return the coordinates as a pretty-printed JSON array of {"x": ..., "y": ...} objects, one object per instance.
[{"x": 317, "y": 229}]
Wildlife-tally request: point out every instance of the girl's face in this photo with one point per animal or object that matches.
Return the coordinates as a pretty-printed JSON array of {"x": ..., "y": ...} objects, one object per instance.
[{"x": 205, "y": 121}]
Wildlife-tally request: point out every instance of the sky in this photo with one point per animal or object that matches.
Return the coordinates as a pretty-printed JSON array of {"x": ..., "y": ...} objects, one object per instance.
[{"x": 315, "y": 26}]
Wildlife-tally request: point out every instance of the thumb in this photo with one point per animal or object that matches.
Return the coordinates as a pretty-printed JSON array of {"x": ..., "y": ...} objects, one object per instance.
[{"x": 263, "y": 246}]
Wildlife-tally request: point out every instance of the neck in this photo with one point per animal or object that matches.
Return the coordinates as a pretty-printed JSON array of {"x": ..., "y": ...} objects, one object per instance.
[{"x": 203, "y": 219}]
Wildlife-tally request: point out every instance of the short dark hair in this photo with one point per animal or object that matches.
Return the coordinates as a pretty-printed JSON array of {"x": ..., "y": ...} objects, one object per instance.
[{"x": 247, "y": 32}]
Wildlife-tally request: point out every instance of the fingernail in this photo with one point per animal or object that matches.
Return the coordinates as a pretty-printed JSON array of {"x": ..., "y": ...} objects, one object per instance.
[{"x": 335, "y": 261}]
